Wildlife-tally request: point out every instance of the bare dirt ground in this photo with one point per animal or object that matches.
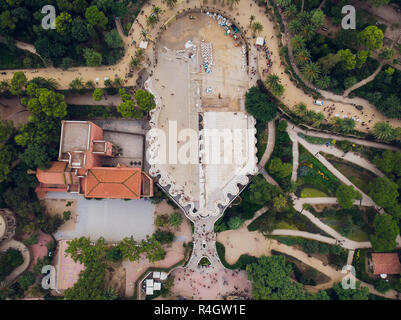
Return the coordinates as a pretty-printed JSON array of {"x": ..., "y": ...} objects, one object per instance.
[
  {"x": 58, "y": 206},
  {"x": 115, "y": 278},
  {"x": 174, "y": 252},
  {"x": 210, "y": 286}
]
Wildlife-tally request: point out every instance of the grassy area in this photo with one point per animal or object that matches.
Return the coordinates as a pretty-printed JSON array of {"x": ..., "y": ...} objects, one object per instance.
[
  {"x": 355, "y": 223},
  {"x": 313, "y": 174},
  {"x": 336, "y": 255},
  {"x": 20, "y": 59},
  {"x": 241, "y": 263},
  {"x": 312, "y": 193},
  {"x": 357, "y": 175},
  {"x": 315, "y": 140},
  {"x": 283, "y": 220}
]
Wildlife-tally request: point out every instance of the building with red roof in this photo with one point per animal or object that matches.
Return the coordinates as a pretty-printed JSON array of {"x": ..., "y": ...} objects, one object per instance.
[
  {"x": 386, "y": 263},
  {"x": 79, "y": 167}
]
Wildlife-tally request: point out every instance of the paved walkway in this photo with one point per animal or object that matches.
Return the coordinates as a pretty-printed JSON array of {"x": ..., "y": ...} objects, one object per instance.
[{"x": 13, "y": 244}]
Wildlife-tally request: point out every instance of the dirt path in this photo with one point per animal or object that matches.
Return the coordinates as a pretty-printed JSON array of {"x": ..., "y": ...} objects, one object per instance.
[{"x": 238, "y": 242}]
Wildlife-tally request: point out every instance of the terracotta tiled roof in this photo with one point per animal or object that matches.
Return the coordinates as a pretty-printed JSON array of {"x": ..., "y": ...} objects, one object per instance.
[
  {"x": 52, "y": 175},
  {"x": 386, "y": 263},
  {"x": 118, "y": 183}
]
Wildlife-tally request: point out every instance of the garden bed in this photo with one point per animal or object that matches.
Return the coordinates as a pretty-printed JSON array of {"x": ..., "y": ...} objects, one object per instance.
[{"x": 313, "y": 174}]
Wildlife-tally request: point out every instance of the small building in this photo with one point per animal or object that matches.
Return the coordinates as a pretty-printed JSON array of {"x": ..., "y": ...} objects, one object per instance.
[
  {"x": 82, "y": 167},
  {"x": 386, "y": 263}
]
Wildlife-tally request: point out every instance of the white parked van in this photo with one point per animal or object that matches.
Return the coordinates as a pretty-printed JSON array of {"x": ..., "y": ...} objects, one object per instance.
[{"x": 318, "y": 102}]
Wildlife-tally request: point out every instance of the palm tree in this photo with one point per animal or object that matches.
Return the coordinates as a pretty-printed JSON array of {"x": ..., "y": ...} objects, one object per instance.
[
  {"x": 290, "y": 11},
  {"x": 156, "y": 10},
  {"x": 300, "y": 109},
  {"x": 302, "y": 56},
  {"x": 295, "y": 26},
  {"x": 76, "y": 84},
  {"x": 319, "y": 118},
  {"x": 89, "y": 84},
  {"x": 297, "y": 43},
  {"x": 152, "y": 20},
  {"x": 273, "y": 83},
  {"x": 257, "y": 27},
  {"x": 144, "y": 34},
  {"x": 283, "y": 3},
  {"x": 323, "y": 82},
  {"x": 117, "y": 82},
  {"x": 348, "y": 124},
  {"x": 251, "y": 18},
  {"x": 233, "y": 2},
  {"x": 384, "y": 131},
  {"x": 310, "y": 71},
  {"x": 308, "y": 31},
  {"x": 170, "y": 3}
]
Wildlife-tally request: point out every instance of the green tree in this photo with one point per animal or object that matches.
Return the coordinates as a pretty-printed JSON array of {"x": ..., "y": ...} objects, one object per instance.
[
  {"x": 259, "y": 105},
  {"x": 383, "y": 191},
  {"x": 346, "y": 196},
  {"x": 113, "y": 39},
  {"x": 79, "y": 30},
  {"x": 280, "y": 202},
  {"x": 26, "y": 280},
  {"x": 386, "y": 231},
  {"x": 384, "y": 131},
  {"x": 379, "y": 3},
  {"x": 63, "y": 22},
  {"x": 347, "y": 59},
  {"x": 361, "y": 57},
  {"x": 7, "y": 21},
  {"x": 371, "y": 38},
  {"x": 261, "y": 192},
  {"x": 17, "y": 83},
  {"x": 7, "y": 156},
  {"x": 270, "y": 278},
  {"x": 93, "y": 58},
  {"x": 317, "y": 18},
  {"x": 328, "y": 62},
  {"x": 283, "y": 170},
  {"x": 284, "y": 3},
  {"x": 97, "y": 94},
  {"x": 257, "y": 28},
  {"x": 38, "y": 156},
  {"x": 175, "y": 219},
  {"x": 310, "y": 71},
  {"x": 145, "y": 100},
  {"x": 386, "y": 54},
  {"x": 114, "y": 254},
  {"x": 235, "y": 222},
  {"x": 273, "y": 82},
  {"x": 297, "y": 43},
  {"x": 360, "y": 293},
  {"x": 302, "y": 56},
  {"x": 95, "y": 17}
]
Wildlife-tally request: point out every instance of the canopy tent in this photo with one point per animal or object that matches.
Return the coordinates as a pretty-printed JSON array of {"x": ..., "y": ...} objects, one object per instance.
[
  {"x": 143, "y": 44},
  {"x": 260, "y": 41}
]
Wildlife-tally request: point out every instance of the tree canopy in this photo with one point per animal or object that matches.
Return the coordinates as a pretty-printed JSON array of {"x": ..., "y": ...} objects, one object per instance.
[{"x": 259, "y": 105}]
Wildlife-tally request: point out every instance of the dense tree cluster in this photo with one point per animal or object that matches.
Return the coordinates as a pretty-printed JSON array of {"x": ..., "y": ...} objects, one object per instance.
[
  {"x": 80, "y": 25},
  {"x": 136, "y": 108},
  {"x": 259, "y": 105}
]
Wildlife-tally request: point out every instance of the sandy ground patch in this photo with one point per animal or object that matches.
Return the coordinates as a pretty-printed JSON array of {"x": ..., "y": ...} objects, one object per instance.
[
  {"x": 58, "y": 206},
  {"x": 210, "y": 286},
  {"x": 39, "y": 250},
  {"x": 134, "y": 270}
]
